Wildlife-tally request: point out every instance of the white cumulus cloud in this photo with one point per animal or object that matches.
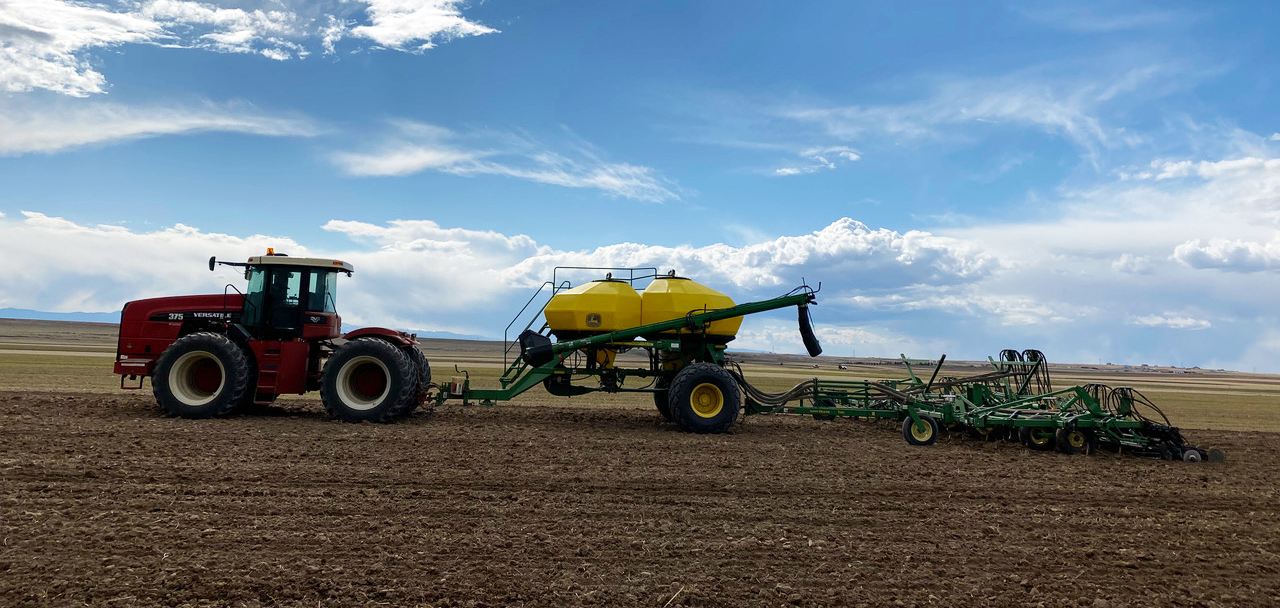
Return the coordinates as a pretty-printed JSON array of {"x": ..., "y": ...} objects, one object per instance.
[
  {"x": 418, "y": 274},
  {"x": 49, "y": 44},
  {"x": 1229, "y": 254},
  {"x": 399, "y": 24},
  {"x": 42, "y": 43}
]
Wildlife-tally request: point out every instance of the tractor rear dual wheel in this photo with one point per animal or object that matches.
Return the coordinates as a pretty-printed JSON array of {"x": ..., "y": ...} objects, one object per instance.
[
  {"x": 368, "y": 380},
  {"x": 422, "y": 372},
  {"x": 201, "y": 375},
  {"x": 704, "y": 398}
]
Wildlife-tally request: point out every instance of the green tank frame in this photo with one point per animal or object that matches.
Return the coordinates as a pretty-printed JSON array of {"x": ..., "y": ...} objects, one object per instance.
[{"x": 688, "y": 344}]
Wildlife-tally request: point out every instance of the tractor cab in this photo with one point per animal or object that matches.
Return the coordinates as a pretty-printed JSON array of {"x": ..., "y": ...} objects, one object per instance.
[{"x": 290, "y": 298}]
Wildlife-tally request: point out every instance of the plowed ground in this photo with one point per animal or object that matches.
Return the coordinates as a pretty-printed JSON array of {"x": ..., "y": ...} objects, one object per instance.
[{"x": 103, "y": 501}]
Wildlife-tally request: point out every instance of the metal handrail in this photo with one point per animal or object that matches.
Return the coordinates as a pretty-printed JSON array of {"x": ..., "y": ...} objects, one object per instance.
[{"x": 556, "y": 287}]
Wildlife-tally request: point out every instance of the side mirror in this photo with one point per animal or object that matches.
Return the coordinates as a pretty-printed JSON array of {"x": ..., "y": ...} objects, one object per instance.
[{"x": 212, "y": 259}]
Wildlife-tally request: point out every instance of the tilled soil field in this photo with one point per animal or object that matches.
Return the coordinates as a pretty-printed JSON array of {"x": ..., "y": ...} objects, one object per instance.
[{"x": 103, "y": 501}]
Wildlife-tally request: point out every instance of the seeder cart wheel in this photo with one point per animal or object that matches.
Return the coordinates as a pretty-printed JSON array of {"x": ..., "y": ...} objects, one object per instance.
[
  {"x": 704, "y": 398},
  {"x": 924, "y": 433},
  {"x": 1191, "y": 455},
  {"x": 1038, "y": 437},
  {"x": 1216, "y": 455}
]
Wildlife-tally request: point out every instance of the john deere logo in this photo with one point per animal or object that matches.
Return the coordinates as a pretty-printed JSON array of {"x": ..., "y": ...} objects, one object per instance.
[{"x": 593, "y": 319}]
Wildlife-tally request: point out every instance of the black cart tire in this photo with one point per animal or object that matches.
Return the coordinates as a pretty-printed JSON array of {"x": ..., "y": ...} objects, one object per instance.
[
  {"x": 422, "y": 372},
  {"x": 201, "y": 375},
  {"x": 704, "y": 398},
  {"x": 368, "y": 380},
  {"x": 916, "y": 435},
  {"x": 1039, "y": 438},
  {"x": 660, "y": 397}
]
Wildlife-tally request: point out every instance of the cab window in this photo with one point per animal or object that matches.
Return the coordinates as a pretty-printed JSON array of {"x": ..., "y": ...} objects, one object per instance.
[
  {"x": 285, "y": 294},
  {"x": 254, "y": 302},
  {"x": 320, "y": 296}
]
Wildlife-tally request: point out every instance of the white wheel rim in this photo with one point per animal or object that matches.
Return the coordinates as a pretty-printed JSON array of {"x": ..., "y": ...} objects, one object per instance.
[
  {"x": 351, "y": 377},
  {"x": 184, "y": 378}
]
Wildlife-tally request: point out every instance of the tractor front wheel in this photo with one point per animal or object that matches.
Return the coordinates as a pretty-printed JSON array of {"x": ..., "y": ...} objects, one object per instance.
[
  {"x": 368, "y": 380},
  {"x": 201, "y": 375},
  {"x": 704, "y": 398}
]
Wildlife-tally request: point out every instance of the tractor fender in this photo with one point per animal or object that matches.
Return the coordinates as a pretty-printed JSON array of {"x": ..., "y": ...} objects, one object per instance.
[{"x": 398, "y": 338}]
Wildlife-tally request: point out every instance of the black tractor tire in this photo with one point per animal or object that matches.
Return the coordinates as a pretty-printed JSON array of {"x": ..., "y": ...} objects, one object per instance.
[
  {"x": 916, "y": 436},
  {"x": 201, "y": 375},
  {"x": 660, "y": 397},
  {"x": 368, "y": 380},
  {"x": 1039, "y": 438},
  {"x": 422, "y": 370},
  {"x": 704, "y": 398}
]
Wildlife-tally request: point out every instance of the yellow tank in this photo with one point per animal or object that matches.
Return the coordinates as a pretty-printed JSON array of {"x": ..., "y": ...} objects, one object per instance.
[
  {"x": 594, "y": 308},
  {"x": 671, "y": 297}
]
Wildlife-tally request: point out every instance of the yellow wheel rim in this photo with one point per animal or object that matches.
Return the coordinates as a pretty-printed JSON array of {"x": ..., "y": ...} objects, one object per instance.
[
  {"x": 1040, "y": 437},
  {"x": 706, "y": 400},
  {"x": 921, "y": 431},
  {"x": 1075, "y": 439}
]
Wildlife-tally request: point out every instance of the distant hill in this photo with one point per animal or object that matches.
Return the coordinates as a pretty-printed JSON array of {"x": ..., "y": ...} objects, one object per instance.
[
  {"x": 114, "y": 317},
  {"x": 36, "y": 315}
]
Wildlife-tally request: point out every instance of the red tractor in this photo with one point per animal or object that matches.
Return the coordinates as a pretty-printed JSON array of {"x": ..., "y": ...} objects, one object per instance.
[{"x": 209, "y": 354}]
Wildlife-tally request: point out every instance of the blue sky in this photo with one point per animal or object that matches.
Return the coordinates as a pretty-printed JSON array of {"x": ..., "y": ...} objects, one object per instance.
[{"x": 1099, "y": 180}]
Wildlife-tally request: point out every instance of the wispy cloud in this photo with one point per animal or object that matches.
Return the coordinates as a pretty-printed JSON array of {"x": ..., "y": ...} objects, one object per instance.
[
  {"x": 46, "y": 44},
  {"x": 1082, "y": 101},
  {"x": 1098, "y": 17},
  {"x": 819, "y": 159},
  {"x": 414, "y": 147},
  {"x": 26, "y": 128},
  {"x": 1067, "y": 107},
  {"x": 1171, "y": 321}
]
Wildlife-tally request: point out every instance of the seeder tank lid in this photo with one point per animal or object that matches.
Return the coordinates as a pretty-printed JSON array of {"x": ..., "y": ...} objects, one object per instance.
[{"x": 284, "y": 260}]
